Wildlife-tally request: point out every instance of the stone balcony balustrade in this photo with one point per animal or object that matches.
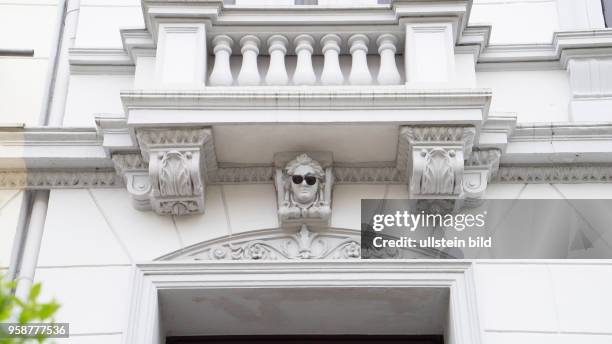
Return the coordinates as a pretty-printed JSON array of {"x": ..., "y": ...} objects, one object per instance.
[
  {"x": 305, "y": 60},
  {"x": 196, "y": 44}
]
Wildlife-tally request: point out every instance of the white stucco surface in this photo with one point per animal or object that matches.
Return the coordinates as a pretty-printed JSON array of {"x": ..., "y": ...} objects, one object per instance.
[
  {"x": 10, "y": 206},
  {"x": 567, "y": 301},
  {"x": 94, "y": 237},
  {"x": 535, "y": 96}
]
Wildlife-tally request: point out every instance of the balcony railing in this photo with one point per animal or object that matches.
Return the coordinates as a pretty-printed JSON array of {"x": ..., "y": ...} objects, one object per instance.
[{"x": 311, "y": 61}]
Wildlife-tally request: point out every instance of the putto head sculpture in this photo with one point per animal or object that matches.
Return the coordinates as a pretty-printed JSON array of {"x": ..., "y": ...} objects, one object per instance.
[{"x": 304, "y": 190}]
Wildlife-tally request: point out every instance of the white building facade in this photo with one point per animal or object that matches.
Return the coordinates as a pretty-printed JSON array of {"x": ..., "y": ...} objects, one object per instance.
[{"x": 149, "y": 151}]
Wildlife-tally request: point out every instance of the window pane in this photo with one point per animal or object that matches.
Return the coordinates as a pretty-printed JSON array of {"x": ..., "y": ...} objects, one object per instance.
[{"x": 607, "y": 8}]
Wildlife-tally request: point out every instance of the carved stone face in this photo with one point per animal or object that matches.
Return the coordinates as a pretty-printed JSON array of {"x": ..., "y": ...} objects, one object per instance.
[{"x": 303, "y": 193}]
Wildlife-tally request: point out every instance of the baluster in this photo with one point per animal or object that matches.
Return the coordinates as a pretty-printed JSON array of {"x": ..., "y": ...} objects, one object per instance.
[
  {"x": 221, "y": 74},
  {"x": 249, "y": 74},
  {"x": 332, "y": 74},
  {"x": 277, "y": 73},
  {"x": 388, "y": 73},
  {"x": 304, "y": 73},
  {"x": 360, "y": 74}
]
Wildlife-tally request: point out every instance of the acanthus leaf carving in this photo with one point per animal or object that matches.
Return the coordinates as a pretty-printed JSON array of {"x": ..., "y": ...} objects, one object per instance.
[
  {"x": 168, "y": 175},
  {"x": 177, "y": 184},
  {"x": 433, "y": 157}
]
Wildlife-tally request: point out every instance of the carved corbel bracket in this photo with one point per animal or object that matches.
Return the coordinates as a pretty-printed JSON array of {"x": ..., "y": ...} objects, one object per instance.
[
  {"x": 480, "y": 167},
  {"x": 135, "y": 173},
  {"x": 433, "y": 158},
  {"x": 168, "y": 176},
  {"x": 304, "y": 183}
]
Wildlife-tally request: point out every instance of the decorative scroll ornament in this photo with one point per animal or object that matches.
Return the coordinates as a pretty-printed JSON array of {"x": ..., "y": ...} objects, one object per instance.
[
  {"x": 303, "y": 188},
  {"x": 167, "y": 176},
  {"x": 296, "y": 244},
  {"x": 480, "y": 168},
  {"x": 434, "y": 159},
  {"x": 273, "y": 244}
]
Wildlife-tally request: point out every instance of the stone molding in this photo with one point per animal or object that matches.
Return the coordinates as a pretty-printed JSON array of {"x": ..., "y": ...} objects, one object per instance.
[
  {"x": 41, "y": 179},
  {"x": 565, "y": 46},
  {"x": 474, "y": 39},
  {"x": 342, "y": 174},
  {"x": 368, "y": 20},
  {"x": 392, "y": 97},
  {"x": 150, "y": 279},
  {"x": 561, "y": 174}
]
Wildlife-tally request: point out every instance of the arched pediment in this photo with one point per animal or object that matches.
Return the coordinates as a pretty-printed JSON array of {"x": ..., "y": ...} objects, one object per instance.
[{"x": 292, "y": 244}]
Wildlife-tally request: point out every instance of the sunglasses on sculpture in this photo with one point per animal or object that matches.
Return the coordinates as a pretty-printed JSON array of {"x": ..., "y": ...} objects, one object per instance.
[{"x": 310, "y": 180}]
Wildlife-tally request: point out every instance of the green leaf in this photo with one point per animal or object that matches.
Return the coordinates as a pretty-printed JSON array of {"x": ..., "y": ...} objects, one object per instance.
[
  {"x": 47, "y": 310},
  {"x": 25, "y": 316},
  {"x": 34, "y": 292}
]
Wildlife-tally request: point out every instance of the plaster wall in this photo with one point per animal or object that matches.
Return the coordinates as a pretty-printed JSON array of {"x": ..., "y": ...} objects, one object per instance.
[
  {"x": 89, "y": 95},
  {"x": 100, "y": 22},
  {"x": 10, "y": 206},
  {"x": 544, "y": 302},
  {"x": 535, "y": 96},
  {"x": 524, "y": 21},
  {"x": 93, "y": 237},
  {"x": 108, "y": 230},
  {"x": 567, "y": 301},
  {"x": 27, "y": 25}
]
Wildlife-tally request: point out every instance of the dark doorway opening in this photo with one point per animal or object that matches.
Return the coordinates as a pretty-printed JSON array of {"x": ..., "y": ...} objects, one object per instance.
[{"x": 298, "y": 339}]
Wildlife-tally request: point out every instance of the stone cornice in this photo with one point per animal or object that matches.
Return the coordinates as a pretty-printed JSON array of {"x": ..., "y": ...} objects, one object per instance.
[
  {"x": 81, "y": 148},
  {"x": 564, "y": 46},
  {"x": 559, "y": 143},
  {"x": 137, "y": 42},
  {"x": 497, "y": 130},
  {"x": 530, "y": 132},
  {"x": 320, "y": 97},
  {"x": 51, "y": 148},
  {"x": 215, "y": 14},
  {"x": 100, "y": 61}
]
